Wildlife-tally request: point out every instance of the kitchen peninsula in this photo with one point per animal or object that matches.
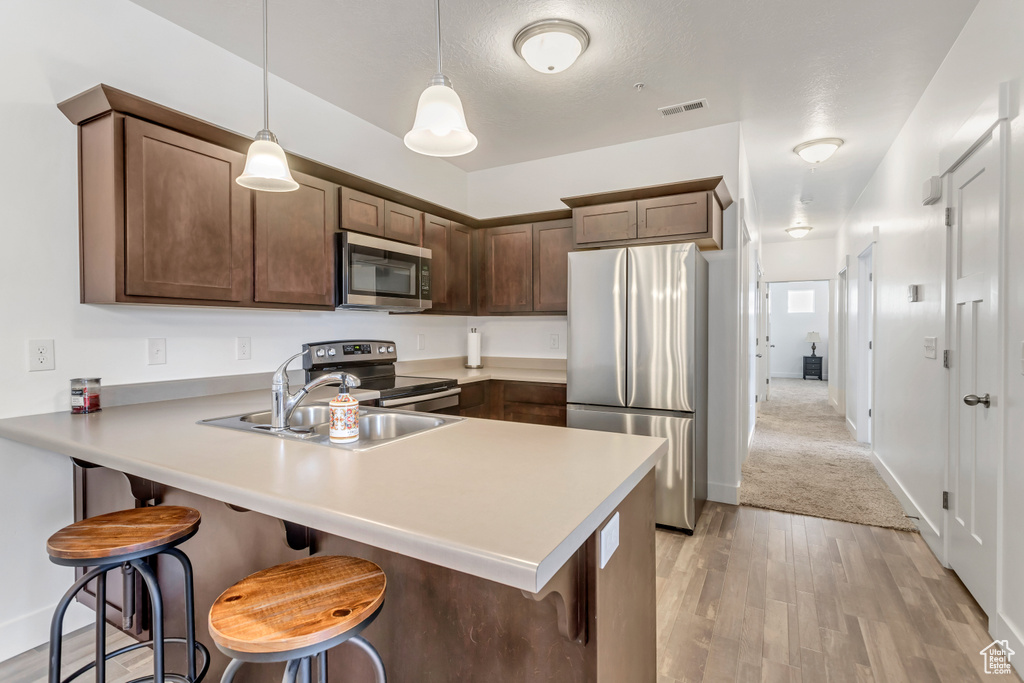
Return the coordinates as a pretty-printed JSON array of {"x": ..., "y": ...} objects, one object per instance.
[{"x": 488, "y": 530}]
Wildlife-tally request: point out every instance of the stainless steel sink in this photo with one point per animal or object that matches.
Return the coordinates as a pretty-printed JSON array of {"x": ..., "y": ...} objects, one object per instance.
[{"x": 310, "y": 423}]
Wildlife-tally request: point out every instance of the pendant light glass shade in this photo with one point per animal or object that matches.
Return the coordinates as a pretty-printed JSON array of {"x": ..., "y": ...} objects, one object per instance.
[
  {"x": 266, "y": 167},
  {"x": 440, "y": 128}
]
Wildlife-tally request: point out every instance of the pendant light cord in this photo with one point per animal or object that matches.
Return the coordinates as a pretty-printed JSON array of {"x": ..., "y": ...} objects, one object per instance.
[
  {"x": 438, "y": 16},
  {"x": 266, "y": 87}
]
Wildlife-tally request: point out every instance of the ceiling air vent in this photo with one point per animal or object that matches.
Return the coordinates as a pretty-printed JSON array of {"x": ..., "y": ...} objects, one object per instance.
[{"x": 684, "y": 107}]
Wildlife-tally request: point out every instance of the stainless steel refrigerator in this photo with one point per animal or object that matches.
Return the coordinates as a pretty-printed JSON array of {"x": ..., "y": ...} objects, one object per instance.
[{"x": 638, "y": 341}]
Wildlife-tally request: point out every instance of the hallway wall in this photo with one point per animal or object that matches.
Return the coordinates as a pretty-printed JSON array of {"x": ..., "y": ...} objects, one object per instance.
[
  {"x": 911, "y": 391},
  {"x": 788, "y": 330}
]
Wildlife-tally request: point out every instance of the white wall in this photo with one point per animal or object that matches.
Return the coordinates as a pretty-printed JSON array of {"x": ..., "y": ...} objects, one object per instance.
[
  {"x": 803, "y": 259},
  {"x": 528, "y": 337},
  {"x": 911, "y": 391},
  {"x": 788, "y": 330}
]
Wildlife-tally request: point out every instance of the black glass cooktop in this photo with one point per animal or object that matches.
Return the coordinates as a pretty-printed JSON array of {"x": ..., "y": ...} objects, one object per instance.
[{"x": 404, "y": 386}]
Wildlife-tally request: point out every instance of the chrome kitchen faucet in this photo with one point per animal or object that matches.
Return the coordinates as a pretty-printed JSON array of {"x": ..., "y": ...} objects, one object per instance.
[{"x": 283, "y": 403}]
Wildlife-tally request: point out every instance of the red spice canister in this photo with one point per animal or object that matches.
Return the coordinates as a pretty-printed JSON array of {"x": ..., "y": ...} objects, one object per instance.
[{"x": 85, "y": 395}]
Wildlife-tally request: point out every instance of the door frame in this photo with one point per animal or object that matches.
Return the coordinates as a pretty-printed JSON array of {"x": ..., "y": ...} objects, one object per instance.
[
  {"x": 992, "y": 117},
  {"x": 865, "y": 344},
  {"x": 841, "y": 341}
]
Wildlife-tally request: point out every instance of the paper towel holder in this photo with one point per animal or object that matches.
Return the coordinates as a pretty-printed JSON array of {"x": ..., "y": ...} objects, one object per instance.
[{"x": 472, "y": 331}]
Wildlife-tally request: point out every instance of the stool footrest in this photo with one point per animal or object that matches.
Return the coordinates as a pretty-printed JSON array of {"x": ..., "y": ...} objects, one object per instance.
[{"x": 200, "y": 648}]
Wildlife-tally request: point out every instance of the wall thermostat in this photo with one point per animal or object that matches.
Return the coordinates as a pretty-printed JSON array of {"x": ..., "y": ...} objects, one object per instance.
[{"x": 932, "y": 191}]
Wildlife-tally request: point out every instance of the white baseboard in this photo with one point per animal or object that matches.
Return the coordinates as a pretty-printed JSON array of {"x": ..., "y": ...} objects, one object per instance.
[
  {"x": 930, "y": 531},
  {"x": 852, "y": 428},
  {"x": 1007, "y": 630},
  {"x": 31, "y": 630},
  {"x": 724, "y": 493},
  {"x": 787, "y": 375}
]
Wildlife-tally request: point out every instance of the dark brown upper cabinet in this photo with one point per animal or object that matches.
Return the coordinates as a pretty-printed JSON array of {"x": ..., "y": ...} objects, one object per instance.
[
  {"x": 402, "y": 223},
  {"x": 682, "y": 215},
  {"x": 436, "y": 239},
  {"x": 605, "y": 223},
  {"x": 294, "y": 244},
  {"x": 552, "y": 242},
  {"x": 460, "y": 270},
  {"x": 362, "y": 212},
  {"x": 506, "y": 272}
]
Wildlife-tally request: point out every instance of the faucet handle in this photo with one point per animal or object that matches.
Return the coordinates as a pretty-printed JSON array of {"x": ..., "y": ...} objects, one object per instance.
[
  {"x": 281, "y": 375},
  {"x": 351, "y": 380}
]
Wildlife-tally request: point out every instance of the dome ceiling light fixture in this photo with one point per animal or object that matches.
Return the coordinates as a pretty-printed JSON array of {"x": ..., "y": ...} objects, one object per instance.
[
  {"x": 440, "y": 128},
  {"x": 817, "y": 151},
  {"x": 799, "y": 231},
  {"x": 551, "y": 45},
  {"x": 266, "y": 166}
]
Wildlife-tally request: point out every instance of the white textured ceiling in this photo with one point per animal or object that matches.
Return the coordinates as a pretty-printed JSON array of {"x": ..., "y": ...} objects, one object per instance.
[{"x": 789, "y": 70}]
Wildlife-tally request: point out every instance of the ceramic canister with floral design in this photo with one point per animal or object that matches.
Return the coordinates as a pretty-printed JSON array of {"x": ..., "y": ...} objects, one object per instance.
[{"x": 344, "y": 418}]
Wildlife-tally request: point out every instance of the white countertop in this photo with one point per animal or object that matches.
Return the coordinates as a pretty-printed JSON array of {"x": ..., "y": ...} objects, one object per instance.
[{"x": 504, "y": 501}]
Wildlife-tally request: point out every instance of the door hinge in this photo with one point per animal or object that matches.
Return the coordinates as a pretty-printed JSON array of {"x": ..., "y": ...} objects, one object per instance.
[
  {"x": 945, "y": 359},
  {"x": 869, "y": 412},
  {"x": 945, "y": 500},
  {"x": 949, "y": 216},
  {"x": 871, "y": 345},
  {"x": 871, "y": 277},
  {"x": 767, "y": 381}
]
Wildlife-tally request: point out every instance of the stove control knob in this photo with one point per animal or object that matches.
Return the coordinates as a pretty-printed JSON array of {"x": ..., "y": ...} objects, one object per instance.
[
  {"x": 331, "y": 352},
  {"x": 319, "y": 353},
  {"x": 391, "y": 349},
  {"x": 381, "y": 349}
]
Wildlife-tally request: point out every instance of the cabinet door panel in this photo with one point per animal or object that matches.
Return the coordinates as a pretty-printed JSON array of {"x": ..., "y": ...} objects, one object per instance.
[
  {"x": 605, "y": 223},
  {"x": 188, "y": 223},
  {"x": 294, "y": 243},
  {"x": 402, "y": 223},
  {"x": 435, "y": 238},
  {"x": 460, "y": 269},
  {"x": 684, "y": 214},
  {"x": 552, "y": 242},
  {"x": 362, "y": 212},
  {"x": 508, "y": 269}
]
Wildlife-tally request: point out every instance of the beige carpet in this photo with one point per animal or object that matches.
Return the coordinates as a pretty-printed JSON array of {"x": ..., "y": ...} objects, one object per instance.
[{"x": 804, "y": 460}]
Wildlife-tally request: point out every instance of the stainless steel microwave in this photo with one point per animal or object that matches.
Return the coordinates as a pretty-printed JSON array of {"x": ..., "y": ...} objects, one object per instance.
[{"x": 382, "y": 275}]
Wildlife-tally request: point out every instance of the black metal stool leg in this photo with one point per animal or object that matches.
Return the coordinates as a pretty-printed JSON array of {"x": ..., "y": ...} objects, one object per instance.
[
  {"x": 371, "y": 652},
  {"x": 101, "y": 628},
  {"x": 156, "y": 599},
  {"x": 290, "y": 671},
  {"x": 321, "y": 667},
  {"x": 57, "y": 623},
  {"x": 190, "y": 610},
  {"x": 229, "y": 673}
]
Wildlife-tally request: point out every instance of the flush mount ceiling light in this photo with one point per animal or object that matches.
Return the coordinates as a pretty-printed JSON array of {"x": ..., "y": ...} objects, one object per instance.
[
  {"x": 817, "y": 151},
  {"x": 551, "y": 45},
  {"x": 799, "y": 231},
  {"x": 266, "y": 168},
  {"x": 440, "y": 128}
]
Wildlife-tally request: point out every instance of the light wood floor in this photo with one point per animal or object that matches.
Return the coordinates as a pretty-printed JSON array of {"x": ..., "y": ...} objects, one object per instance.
[
  {"x": 755, "y": 595},
  {"x": 758, "y": 595}
]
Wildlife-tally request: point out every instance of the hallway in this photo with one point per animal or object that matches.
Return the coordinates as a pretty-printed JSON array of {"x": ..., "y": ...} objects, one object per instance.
[
  {"x": 758, "y": 595},
  {"x": 803, "y": 460}
]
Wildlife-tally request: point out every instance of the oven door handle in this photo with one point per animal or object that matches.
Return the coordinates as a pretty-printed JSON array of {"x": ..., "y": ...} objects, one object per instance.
[{"x": 406, "y": 400}]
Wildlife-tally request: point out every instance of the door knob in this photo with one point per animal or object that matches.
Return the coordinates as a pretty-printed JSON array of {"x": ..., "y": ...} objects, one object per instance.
[{"x": 973, "y": 400}]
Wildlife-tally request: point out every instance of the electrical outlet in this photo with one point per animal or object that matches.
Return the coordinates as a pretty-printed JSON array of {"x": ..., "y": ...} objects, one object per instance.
[
  {"x": 421, "y": 342},
  {"x": 40, "y": 355},
  {"x": 608, "y": 540},
  {"x": 554, "y": 341},
  {"x": 243, "y": 348},
  {"x": 157, "y": 351}
]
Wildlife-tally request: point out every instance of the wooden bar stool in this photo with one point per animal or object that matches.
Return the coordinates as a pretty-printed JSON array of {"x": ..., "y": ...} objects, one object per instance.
[
  {"x": 296, "y": 612},
  {"x": 125, "y": 539}
]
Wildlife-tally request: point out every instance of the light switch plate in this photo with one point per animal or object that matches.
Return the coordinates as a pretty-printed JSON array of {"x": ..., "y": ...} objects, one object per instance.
[
  {"x": 608, "y": 540},
  {"x": 931, "y": 347},
  {"x": 157, "y": 351},
  {"x": 554, "y": 341},
  {"x": 421, "y": 342}
]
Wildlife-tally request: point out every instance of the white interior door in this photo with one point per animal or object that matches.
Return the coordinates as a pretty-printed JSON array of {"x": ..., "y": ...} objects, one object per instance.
[
  {"x": 840, "y": 345},
  {"x": 865, "y": 344},
  {"x": 974, "y": 199},
  {"x": 767, "y": 341}
]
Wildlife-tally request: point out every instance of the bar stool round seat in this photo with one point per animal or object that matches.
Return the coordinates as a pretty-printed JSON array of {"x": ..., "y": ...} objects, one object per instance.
[
  {"x": 122, "y": 535},
  {"x": 124, "y": 540},
  {"x": 296, "y": 611}
]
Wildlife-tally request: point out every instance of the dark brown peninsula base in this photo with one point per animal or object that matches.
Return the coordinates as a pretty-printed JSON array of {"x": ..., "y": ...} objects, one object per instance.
[{"x": 587, "y": 625}]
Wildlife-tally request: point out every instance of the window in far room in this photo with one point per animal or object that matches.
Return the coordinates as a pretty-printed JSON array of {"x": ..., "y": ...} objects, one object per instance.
[{"x": 800, "y": 301}]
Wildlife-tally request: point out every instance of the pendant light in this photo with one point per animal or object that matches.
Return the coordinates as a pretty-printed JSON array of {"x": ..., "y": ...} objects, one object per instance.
[
  {"x": 440, "y": 128},
  {"x": 266, "y": 167}
]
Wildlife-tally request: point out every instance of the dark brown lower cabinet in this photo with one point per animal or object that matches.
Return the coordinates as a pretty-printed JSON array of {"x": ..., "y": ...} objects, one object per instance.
[{"x": 531, "y": 402}]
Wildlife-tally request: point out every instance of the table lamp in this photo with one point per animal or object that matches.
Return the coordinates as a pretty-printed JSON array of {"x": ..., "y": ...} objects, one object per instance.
[{"x": 814, "y": 338}]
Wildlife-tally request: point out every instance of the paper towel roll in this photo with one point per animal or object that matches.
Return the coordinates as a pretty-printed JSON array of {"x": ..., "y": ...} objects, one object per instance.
[{"x": 473, "y": 349}]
